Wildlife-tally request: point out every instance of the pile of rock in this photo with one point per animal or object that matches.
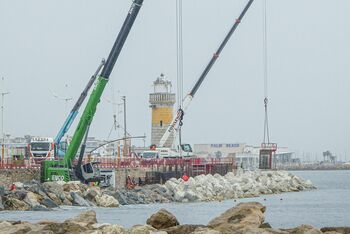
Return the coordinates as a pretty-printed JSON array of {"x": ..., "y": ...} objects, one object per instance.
[
  {"x": 147, "y": 194},
  {"x": 244, "y": 218},
  {"x": 248, "y": 184},
  {"x": 35, "y": 196}
]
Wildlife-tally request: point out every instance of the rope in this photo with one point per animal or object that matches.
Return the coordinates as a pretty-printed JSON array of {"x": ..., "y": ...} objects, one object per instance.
[{"x": 265, "y": 71}]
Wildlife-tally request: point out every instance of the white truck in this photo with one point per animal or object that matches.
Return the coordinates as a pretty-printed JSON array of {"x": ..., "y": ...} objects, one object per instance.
[{"x": 41, "y": 148}]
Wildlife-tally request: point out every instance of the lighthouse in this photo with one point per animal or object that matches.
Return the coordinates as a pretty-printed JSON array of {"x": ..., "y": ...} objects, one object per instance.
[{"x": 162, "y": 102}]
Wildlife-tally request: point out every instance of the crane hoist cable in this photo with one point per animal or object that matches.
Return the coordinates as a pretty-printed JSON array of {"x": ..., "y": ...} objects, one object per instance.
[{"x": 265, "y": 73}]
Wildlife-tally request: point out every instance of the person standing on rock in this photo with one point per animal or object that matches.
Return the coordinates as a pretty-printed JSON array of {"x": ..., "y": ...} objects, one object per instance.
[
  {"x": 13, "y": 187},
  {"x": 140, "y": 181}
]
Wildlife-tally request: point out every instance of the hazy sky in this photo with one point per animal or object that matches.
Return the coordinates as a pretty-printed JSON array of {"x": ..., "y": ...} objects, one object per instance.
[{"x": 45, "y": 45}]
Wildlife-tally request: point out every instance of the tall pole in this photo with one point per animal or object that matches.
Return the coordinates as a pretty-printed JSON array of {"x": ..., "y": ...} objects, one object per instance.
[
  {"x": 3, "y": 93},
  {"x": 125, "y": 133}
]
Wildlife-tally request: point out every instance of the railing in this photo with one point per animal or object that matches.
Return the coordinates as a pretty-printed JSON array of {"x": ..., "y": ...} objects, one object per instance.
[
  {"x": 128, "y": 162},
  {"x": 156, "y": 98}
]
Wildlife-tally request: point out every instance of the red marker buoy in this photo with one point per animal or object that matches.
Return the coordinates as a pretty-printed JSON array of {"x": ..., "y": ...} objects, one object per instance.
[{"x": 185, "y": 177}]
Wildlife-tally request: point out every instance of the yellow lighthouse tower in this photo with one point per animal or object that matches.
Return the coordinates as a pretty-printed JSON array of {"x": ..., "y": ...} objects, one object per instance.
[{"x": 162, "y": 102}]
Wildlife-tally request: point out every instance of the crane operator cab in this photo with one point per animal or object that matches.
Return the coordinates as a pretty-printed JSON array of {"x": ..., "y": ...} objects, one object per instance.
[
  {"x": 90, "y": 172},
  {"x": 187, "y": 150}
]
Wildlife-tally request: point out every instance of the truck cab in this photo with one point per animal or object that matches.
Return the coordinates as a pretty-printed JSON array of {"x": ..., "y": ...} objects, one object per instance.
[{"x": 41, "y": 148}]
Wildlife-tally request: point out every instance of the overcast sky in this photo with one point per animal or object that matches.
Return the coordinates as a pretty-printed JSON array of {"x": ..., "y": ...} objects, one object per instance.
[{"x": 45, "y": 45}]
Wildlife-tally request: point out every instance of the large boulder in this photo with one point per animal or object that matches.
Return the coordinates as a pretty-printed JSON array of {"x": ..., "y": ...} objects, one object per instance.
[
  {"x": 66, "y": 227},
  {"x": 4, "y": 224},
  {"x": 72, "y": 186},
  {"x": 303, "y": 229},
  {"x": 53, "y": 187},
  {"x": 244, "y": 215},
  {"x": 22, "y": 227},
  {"x": 19, "y": 185},
  {"x": 121, "y": 198},
  {"x": 162, "y": 219},
  {"x": 78, "y": 200},
  {"x": 54, "y": 198},
  {"x": 33, "y": 199},
  {"x": 11, "y": 203},
  {"x": 92, "y": 193},
  {"x": 142, "y": 229},
  {"x": 205, "y": 230},
  {"x": 19, "y": 194},
  {"x": 1, "y": 205},
  {"x": 116, "y": 229},
  {"x": 48, "y": 203},
  {"x": 88, "y": 217},
  {"x": 182, "y": 229},
  {"x": 36, "y": 188},
  {"x": 344, "y": 230},
  {"x": 253, "y": 230},
  {"x": 106, "y": 201}
]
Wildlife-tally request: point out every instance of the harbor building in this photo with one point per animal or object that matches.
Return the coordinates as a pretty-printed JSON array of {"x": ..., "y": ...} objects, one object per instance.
[
  {"x": 246, "y": 156},
  {"x": 162, "y": 102},
  {"x": 218, "y": 150}
]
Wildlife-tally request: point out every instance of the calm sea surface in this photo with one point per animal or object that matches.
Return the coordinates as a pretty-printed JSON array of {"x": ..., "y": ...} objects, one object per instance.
[{"x": 328, "y": 205}]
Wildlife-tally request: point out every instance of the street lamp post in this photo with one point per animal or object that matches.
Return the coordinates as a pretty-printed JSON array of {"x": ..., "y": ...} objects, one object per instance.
[
  {"x": 125, "y": 132},
  {"x": 3, "y": 93}
]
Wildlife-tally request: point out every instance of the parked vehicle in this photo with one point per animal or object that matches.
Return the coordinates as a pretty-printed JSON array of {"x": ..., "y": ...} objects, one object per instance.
[{"x": 41, "y": 148}]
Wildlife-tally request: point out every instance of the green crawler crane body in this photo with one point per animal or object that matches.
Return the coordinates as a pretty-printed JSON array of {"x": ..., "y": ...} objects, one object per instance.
[{"x": 85, "y": 121}]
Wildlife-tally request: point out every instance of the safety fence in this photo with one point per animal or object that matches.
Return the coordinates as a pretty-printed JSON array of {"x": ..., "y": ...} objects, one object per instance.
[
  {"x": 144, "y": 171},
  {"x": 198, "y": 164},
  {"x": 9, "y": 163},
  {"x": 160, "y": 170}
]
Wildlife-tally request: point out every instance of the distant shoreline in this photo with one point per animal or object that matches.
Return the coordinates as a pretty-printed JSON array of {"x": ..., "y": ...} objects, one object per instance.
[{"x": 315, "y": 169}]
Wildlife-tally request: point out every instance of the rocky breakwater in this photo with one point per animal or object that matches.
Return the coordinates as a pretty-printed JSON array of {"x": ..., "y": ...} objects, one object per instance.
[
  {"x": 248, "y": 184},
  {"x": 244, "y": 218},
  {"x": 35, "y": 196}
]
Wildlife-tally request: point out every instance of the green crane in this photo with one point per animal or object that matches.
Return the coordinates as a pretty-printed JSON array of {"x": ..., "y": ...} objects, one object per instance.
[{"x": 53, "y": 170}]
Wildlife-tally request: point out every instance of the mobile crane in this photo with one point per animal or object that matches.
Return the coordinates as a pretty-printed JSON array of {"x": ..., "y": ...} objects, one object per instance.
[
  {"x": 63, "y": 169},
  {"x": 177, "y": 120},
  {"x": 74, "y": 112}
]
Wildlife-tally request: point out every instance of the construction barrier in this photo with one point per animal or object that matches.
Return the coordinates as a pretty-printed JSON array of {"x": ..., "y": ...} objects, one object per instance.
[
  {"x": 145, "y": 171},
  {"x": 107, "y": 162}
]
